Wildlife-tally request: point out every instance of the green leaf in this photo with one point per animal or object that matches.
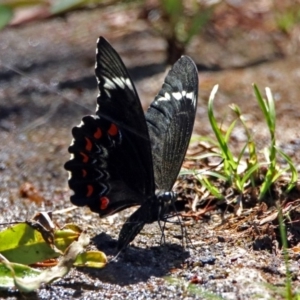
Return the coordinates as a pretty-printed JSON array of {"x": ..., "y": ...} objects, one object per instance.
[
  {"x": 252, "y": 153},
  {"x": 197, "y": 138},
  {"x": 173, "y": 7},
  {"x": 212, "y": 119},
  {"x": 262, "y": 104},
  {"x": 66, "y": 235},
  {"x": 23, "y": 244},
  {"x": 248, "y": 173},
  {"x": 215, "y": 174},
  {"x": 229, "y": 163},
  {"x": 49, "y": 275},
  {"x": 293, "y": 169},
  {"x": 266, "y": 184},
  {"x": 268, "y": 109},
  {"x": 59, "y": 6},
  {"x": 271, "y": 110},
  {"x": 210, "y": 187},
  {"x": 198, "y": 22},
  {"x": 229, "y": 131},
  {"x": 21, "y": 271},
  {"x": 6, "y": 14},
  {"x": 92, "y": 259},
  {"x": 279, "y": 173}
]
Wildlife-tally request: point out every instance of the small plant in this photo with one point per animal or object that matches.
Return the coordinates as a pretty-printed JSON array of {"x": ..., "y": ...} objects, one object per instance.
[
  {"x": 274, "y": 172},
  {"x": 178, "y": 21},
  {"x": 287, "y": 15},
  {"x": 230, "y": 163},
  {"x": 233, "y": 173}
]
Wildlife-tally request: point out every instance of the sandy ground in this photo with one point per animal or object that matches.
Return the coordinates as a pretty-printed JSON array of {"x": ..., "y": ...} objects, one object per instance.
[{"x": 47, "y": 84}]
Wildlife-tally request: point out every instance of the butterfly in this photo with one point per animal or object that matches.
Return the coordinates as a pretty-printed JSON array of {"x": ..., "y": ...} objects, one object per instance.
[{"x": 121, "y": 157}]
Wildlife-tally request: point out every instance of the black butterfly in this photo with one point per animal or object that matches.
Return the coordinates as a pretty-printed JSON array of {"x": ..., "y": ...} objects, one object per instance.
[{"x": 121, "y": 157}]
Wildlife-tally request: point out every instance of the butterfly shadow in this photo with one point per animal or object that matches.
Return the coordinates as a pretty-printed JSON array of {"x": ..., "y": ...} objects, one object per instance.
[{"x": 136, "y": 264}]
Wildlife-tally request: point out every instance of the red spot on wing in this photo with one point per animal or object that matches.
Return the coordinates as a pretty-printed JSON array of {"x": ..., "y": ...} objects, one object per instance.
[
  {"x": 104, "y": 201},
  {"x": 84, "y": 172},
  {"x": 89, "y": 145},
  {"x": 90, "y": 190},
  {"x": 113, "y": 130},
  {"x": 98, "y": 133},
  {"x": 85, "y": 157}
]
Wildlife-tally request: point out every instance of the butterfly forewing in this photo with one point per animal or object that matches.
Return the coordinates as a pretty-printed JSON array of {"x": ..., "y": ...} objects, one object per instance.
[
  {"x": 111, "y": 164},
  {"x": 119, "y": 103},
  {"x": 170, "y": 120}
]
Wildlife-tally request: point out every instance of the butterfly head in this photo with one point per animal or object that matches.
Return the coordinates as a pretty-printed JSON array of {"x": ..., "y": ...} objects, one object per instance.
[{"x": 165, "y": 202}]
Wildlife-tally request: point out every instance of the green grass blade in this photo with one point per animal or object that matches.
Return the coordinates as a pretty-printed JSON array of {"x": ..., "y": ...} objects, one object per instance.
[
  {"x": 282, "y": 230},
  {"x": 272, "y": 122},
  {"x": 242, "y": 152},
  {"x": 229, "y": 131},
  {"x": 266, "y": 184},
  {"x": 279, "y": 173},
  {"x": 214, "y": 174},
  {"x": 248, "y": 173},
  {"x": 271, "y": 110},
  {"x": 252, "y": 153},
  {"x": 294, "y": 177},
  {"x": 263, "y": 106},
  {"x": 202, "y": 173},
  {"x": 204, "y": 139},
  {"x": 268, "y": 109},
  {"x": 203, "y": 156},
  {"x": 213, "y": 121},
  {"x": 227, "y": 155},
  {"x": 210, "y": 187}
]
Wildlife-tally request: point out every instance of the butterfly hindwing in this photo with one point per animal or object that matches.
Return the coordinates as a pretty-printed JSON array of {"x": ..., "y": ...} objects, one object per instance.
[{"x": 111, "y": 165}]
